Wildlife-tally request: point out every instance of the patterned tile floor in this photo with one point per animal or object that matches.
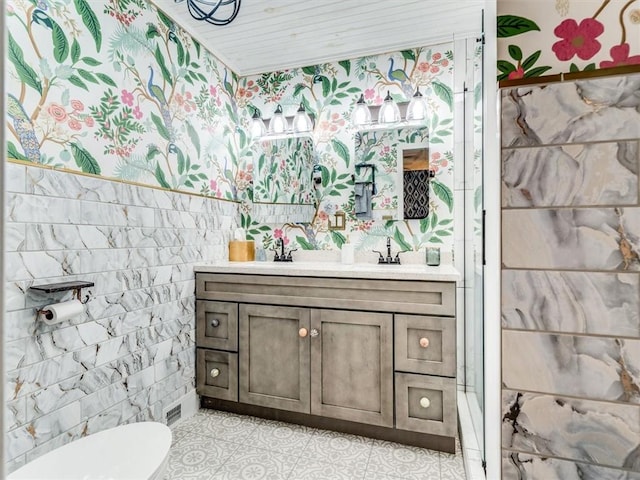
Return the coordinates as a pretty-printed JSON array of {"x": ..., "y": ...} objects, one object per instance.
[{"x": 220, "y": 445}]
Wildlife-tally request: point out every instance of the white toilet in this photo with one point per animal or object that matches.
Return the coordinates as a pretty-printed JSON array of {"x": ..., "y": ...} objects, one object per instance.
[{"x": 137, "y": 451}]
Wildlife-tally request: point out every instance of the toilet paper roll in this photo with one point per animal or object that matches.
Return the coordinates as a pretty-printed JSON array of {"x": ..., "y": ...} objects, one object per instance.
[{"x": 59, "y": 312}]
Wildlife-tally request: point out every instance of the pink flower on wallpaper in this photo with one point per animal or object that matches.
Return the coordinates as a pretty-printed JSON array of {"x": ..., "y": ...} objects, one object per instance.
[
  {"x": 74, "y": 124},
  {"x": 127, "y": 97},
  {"x": 137, "y": 113},
  {"x": 369, "y": 93},
  {"x": 58, "y": 112},
  {"x": 620, "y": 56},
  {"x": 577, "y": 39},
  {"x": 88, "y": 121},
  {"x": 517, "y": 73},
  {"x": 77, "y": 105},
  {"x": 277, "y": 233}
]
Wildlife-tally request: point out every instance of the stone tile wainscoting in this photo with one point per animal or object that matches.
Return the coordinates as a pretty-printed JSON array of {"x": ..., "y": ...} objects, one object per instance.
[
  {"x": 570, "y": 280},
  {"x": 131, "y": 354}
]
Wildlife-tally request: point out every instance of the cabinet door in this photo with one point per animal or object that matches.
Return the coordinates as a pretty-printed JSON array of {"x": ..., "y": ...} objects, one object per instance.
[
  {"x": 274, "y": 357},
  {"x": 352, "y": 366}
]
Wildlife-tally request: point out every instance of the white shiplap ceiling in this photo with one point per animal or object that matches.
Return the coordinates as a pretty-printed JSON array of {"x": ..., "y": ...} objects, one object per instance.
[{"x": 270, "y": 35}]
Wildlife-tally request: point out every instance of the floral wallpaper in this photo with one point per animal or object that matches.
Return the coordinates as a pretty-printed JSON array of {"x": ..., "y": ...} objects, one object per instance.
[
  {"x": 116, "y": 89},
  {"x": 329, "y": 92},
  {"x": 560, "y": 36}
]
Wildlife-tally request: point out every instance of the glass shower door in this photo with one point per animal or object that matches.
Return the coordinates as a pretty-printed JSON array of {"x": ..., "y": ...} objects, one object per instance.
[{"x": 474, "y": 239}]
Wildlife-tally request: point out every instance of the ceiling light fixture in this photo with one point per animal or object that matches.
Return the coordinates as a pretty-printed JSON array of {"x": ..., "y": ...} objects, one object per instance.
[{"x": 215, "y": 12}]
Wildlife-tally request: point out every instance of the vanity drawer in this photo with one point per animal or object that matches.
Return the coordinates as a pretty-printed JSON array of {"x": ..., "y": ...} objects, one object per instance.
[
  {"x": 426, "y": 404},
  {"x": 217, "y": 374},
  {"x": 425, "y": 344},
  {"x": 217, "y": 325}
]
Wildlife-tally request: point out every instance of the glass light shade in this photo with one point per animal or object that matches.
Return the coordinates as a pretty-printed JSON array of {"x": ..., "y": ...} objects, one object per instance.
[
  {"x": 417, "y": 108},
  {"x": 361, "y": 114},
  {"x": 302, "y": 122},
  {"x": 257, "y": 125},
  {"x": 389, "y": 111},
  {"x": 278, "y": 123}
]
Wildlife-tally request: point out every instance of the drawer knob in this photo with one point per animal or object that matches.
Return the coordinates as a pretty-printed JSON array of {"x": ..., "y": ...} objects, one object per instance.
[
  {"x": 303, "y": 332},
  {"x": 424, "y": 342},
  {"x": 314, "y": 332},
  {"x": 215, "y": 372},
  {"x": 425, "y": 402},
  {"x": 215, "y": 322}
]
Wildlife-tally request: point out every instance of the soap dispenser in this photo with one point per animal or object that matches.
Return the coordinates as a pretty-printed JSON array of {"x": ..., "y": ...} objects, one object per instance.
[{"x": 347, "y": 253}]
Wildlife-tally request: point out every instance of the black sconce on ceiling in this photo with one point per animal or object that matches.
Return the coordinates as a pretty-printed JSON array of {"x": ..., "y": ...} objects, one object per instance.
[{"x": 215, "y": 12}]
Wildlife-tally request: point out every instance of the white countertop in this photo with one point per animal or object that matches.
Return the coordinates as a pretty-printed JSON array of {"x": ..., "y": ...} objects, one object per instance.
[{"x": 411, "y": 271}]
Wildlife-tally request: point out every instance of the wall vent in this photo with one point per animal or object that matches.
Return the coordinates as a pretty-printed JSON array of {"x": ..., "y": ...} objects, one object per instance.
[{"x": 174, "y": 414}]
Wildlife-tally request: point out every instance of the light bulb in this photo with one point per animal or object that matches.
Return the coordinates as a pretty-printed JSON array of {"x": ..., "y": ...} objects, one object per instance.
[
  {"x": 417, "y": 108},
  {"x": 257, "y": 125},
  {"x": 278, "y": 123},
  {"x": 302, "y": 122},
  {"x": 389, "y": 111},
  {"x": 361, "y": 114}
]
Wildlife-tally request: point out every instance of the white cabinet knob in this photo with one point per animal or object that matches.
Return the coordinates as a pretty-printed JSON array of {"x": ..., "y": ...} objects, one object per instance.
[
  {"x": 425, "y": 402},
  {"x": 303, "y": 332},
  {"x": 215, "y": 372},
  {"x": 424, "y": 342},
  {"x": 215, "y": 322}
]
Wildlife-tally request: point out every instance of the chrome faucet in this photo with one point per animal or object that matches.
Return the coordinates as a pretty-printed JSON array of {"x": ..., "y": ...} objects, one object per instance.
[
  {"x": 282, "y": 257},
  {"x": 389, "y": 260}
]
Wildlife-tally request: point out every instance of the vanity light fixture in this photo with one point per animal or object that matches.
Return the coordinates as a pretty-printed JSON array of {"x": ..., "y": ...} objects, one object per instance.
[
  {"x": 302, "y": 122},
  {"x": 258, "y": 128},
  {"x": 418, "y": 108},
  {"x": 361, "y": 113},
  {"x": 389, "y": 112},
  {"x": 278, "y": 123},
  {"x": 415, "y": 112},
  {"x": 215, "y": 12}
]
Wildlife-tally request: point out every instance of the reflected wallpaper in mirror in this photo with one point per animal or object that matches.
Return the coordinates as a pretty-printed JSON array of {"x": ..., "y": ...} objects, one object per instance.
[
  {"x": 381, "y": 173},
  {"x": 283, "y": 168}
]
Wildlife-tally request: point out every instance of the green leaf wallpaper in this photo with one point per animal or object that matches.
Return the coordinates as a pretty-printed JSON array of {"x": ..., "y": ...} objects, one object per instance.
[{"x": 116, "y": 89}]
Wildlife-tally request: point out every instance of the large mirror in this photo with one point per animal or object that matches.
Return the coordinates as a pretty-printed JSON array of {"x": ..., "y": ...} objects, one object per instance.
[
  {"x": 392, "y": 173},
  {"x": 283, "y": 167}
]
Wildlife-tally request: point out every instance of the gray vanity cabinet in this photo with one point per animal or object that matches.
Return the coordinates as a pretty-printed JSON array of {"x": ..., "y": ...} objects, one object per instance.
[
  {"x": 274, "y": 358},
  {"x": 373, "y": 357}
]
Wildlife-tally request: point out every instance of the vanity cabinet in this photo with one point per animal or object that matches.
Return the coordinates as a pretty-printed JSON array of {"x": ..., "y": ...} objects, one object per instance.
[{"x": 367, "y": 356}]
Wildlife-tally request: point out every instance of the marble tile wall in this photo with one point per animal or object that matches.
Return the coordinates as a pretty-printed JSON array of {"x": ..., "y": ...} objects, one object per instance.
[
  {"x": 571, "y": 280},
  {"x": 131, "y": 354}
]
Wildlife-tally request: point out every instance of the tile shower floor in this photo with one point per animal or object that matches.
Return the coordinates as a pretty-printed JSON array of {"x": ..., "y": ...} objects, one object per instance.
[{"x": 220, "y": 445}]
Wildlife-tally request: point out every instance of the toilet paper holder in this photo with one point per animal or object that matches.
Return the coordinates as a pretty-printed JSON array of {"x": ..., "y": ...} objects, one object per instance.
[{"x": 76, "y": 286}]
